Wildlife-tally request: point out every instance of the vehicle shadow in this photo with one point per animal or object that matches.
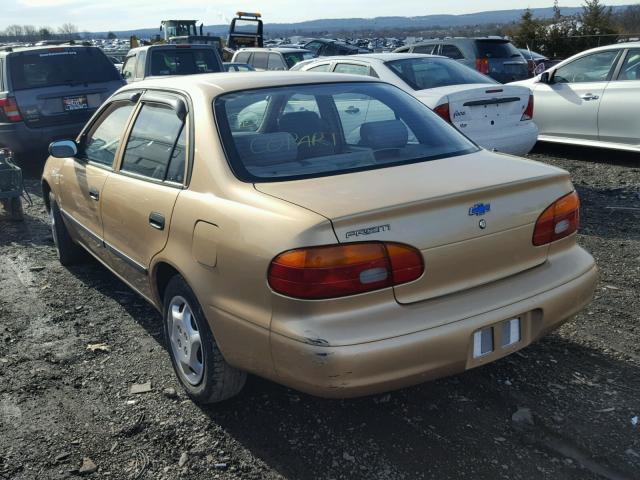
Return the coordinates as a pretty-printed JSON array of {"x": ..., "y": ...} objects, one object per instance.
[{"x": 588, "y": 154}]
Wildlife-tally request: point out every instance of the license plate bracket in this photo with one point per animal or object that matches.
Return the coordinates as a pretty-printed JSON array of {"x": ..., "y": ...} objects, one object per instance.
[{"x": 76, "y": 102}]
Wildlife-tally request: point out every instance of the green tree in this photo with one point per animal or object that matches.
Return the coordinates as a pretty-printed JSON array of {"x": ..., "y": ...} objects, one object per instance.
[
  {"x": 527, "y": 32},
  {"x": 111, "y": 36},
  {"x": 596, "y": 21}
]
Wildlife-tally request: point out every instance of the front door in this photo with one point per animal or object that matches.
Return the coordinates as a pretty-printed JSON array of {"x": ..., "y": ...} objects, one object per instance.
[
  {"x": 83, "y": 178},
  {"x": 568, "y": 107},
  {"x": 138, "y": 198}
]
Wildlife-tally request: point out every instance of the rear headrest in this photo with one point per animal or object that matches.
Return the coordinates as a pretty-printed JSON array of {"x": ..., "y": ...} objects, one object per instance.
[
  {"x": 384, "y": 134},
  {"x": 296, "y": 122},
  {"x": 262, "y": 149}
]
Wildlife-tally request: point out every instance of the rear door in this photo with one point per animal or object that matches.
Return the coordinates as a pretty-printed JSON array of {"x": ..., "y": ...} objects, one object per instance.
[
  {"x": 618, "y": 116},
  {"x": 276, "y": 62},
  {"x": 568, "y": 107},
  {"x": 61, "y": 85},
  {"x": 138, "y": 199},
  {"x": 83, "y": 178}
]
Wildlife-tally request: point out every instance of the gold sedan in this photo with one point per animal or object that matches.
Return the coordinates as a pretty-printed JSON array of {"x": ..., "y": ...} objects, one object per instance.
[{"x": 328, "y": 232}]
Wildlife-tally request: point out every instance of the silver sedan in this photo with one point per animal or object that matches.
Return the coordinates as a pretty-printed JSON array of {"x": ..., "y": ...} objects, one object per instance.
[{"x": 591, "y": 99}]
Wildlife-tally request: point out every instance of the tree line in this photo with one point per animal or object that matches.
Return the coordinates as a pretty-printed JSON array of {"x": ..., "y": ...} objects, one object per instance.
[
  {"x": 564, "y": 35},
  {"x": 31, "y": 33}
]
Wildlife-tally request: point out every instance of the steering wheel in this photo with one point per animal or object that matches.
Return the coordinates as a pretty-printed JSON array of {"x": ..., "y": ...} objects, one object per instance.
[{"x": 581, "y": 77}]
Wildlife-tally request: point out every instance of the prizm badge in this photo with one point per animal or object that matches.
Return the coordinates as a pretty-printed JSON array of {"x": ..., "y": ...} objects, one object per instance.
[
  {"x": 369, "y": 231},
  {"x": 480, "y": 209}
]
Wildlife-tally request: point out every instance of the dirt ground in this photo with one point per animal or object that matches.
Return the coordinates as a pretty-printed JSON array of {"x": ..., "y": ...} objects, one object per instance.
[{"x": 62, "y": 405}]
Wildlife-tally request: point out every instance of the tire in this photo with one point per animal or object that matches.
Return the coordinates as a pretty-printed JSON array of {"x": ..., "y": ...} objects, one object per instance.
[
  {"x": 199, "y": 365},
  {"x": 69, "y": 253},
  {"x": 15, "y": 209}
]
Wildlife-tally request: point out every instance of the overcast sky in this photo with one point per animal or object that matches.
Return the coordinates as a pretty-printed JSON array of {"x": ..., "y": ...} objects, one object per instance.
[{"x": 99, "y": 15}]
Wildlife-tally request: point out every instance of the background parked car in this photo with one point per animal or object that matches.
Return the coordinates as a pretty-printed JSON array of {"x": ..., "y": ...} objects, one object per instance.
[
  {"x": 322, "y": 47},
  {"x": 495, "y": 57},
  {"x": 170, "y": 59},
  {"x": 238, "y": 67},
  {"x": 262, "y": 59},
  {"x": 49, "y": 92},
  {"x": 497, "y": 117},
  {"x": 592, "y": 98}
]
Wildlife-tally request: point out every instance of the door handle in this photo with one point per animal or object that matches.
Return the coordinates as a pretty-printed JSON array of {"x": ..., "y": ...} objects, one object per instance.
[
  {"x": 94, "y": 194},
  {"x": 352, "y": 110},
  {"x": 589, "y": 96},
  {"x": 156, "y": 220}
]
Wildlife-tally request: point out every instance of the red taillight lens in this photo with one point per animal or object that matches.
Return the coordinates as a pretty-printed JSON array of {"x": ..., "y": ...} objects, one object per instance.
[
  {"x": 559, "y": 220},
  {"x": 528, "y": 112},
  {"x": 9, "y": 107},
  {"x": 482, "y": 65},
  {"x": 443, "y": 111},
  {"x": 340, "y": 270}
]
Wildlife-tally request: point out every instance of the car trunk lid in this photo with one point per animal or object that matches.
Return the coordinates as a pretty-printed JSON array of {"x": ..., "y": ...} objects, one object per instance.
[
  {"x": 472, "y": 216},
  {"x": 487, "y": 108}
]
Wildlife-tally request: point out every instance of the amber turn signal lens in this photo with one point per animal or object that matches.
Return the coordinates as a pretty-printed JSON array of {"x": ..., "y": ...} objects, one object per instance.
[
  {"x": 559, "y": 220},
  {"x": 340, "y": 270}
]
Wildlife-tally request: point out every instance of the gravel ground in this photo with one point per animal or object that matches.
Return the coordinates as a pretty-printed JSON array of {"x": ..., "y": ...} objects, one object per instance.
[{"x": 66, "y": 410}]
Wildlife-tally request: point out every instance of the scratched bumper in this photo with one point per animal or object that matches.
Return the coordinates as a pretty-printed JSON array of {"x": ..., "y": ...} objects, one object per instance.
[{"x": 392, "y": 363}]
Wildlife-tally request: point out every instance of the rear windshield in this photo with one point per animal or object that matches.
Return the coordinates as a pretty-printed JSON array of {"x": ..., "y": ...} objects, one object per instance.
[
  {"x": 184, "y": 61},
  {"x": 496, "y": 49},
  {"x": 295, "y": 57},
  {"x": 60, "y": 66},
  {"x": 423, "y": 73},
  {"x": 305, "y": 131}
]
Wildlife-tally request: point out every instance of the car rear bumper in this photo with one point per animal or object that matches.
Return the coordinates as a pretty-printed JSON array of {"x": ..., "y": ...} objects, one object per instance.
[
  {"x": 21, "y": 139},
  {"x": 517, "y": 140},
  {"x": 392, "y": 363}
]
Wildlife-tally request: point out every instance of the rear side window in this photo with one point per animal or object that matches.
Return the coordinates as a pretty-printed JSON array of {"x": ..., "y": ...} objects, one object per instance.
[
  {"x": 275, "y": 62},
  {"x": 184, "y": 61},
  {"x": 129, "y": 68},
  {"x": 428, "y": 49},
  {"x": 260, "y": 60},
  {"x": 242, "y": 57},
  {"x": 102, "y": 141},
  {"x": 328, "y": 129},
  {"x": 320, "y": 68},
  {"x": 451, "y": 51},
  {"x": 154, "y": 143},
  {"x": 60, "y": 66},
  {"x": 631, "y": 67},
  {"x": 352, "y": 69},
  {"x": 496, "y": 49},
  {"x": 140, "y": 64}
]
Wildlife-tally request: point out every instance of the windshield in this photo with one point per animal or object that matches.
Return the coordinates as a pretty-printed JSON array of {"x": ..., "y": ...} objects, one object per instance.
[
  {"x": 303, "y": 131},
  {"x": 424, "y": 73},
  {"x": 295, "y": 57},
  {"x": 184, "y": 61},
  {"x": 496, "y": 49},
  {"x": 60, "y": 66}
]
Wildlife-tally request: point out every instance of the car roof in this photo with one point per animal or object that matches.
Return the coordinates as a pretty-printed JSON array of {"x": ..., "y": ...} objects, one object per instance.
[
  {"x": 378, "y": 57},
  {"x": 7, "y": 50},
  {"x": 215, "y": 84},
  {"x": 274, "y": 49},
  {"x": 171, "y": 46}
]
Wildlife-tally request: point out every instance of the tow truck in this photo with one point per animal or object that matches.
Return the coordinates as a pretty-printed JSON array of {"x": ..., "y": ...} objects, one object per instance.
[{"x": 245, "y": 31}]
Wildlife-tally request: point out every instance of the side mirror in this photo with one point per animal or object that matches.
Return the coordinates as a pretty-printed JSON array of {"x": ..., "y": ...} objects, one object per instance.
[
  {"x": 545, "y": 77},
  {"x": 63, "y": 149}
]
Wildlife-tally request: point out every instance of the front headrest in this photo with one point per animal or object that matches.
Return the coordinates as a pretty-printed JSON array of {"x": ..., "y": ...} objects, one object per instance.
[
  {"x": 262, "y": 149},
  {"x": 384, "y": 134}
]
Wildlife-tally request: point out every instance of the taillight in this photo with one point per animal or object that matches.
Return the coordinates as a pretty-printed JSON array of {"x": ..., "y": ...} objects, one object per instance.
[
  {"x": 9, "y": 107},
  {"x": 482, "y": 65},
  {"x": 340, "y": 270},
  {"x": 443, "y": 111},
  {"x": 528, "y": 112},
  {"x": 559, "y": 220}
]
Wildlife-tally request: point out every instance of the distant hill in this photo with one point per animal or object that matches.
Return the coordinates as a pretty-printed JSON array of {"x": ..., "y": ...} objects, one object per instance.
[{"x": 373, "y": 24}]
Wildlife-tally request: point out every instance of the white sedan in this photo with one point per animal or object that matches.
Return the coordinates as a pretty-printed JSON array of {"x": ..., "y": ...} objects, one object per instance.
[
  {"x": 495, "y": 116},
  {"x": 591, "y": 99}
]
